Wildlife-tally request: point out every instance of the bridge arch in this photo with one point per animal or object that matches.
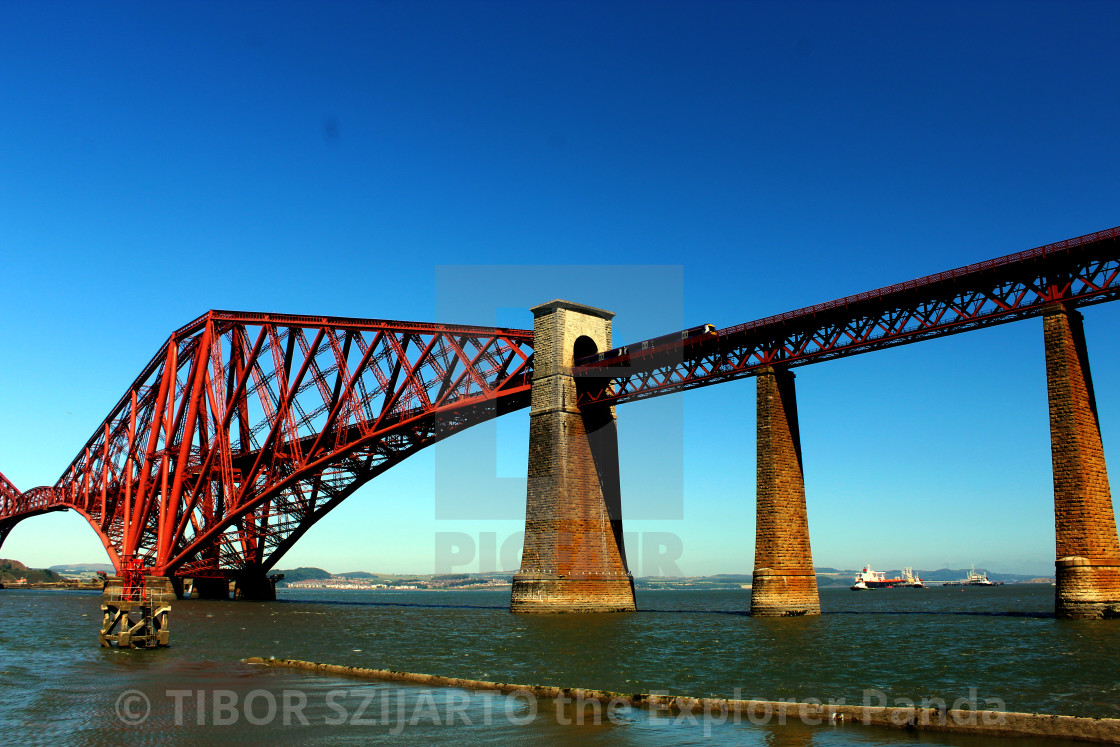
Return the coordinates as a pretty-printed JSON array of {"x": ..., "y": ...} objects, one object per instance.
[
  {"x": 7, "y": 525},
  {"x": 246, "y": 428}
]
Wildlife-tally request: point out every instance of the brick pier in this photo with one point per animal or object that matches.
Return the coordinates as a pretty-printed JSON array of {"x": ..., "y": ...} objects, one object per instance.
[
  {"x": 784, "y": 580},
  {"x": 574, "y": 559},
  {"x": 1088, "y": 553}
]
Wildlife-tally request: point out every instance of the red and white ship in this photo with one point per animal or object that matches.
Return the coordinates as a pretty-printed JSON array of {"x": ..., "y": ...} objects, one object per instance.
[{"x": 869, "y": 579}]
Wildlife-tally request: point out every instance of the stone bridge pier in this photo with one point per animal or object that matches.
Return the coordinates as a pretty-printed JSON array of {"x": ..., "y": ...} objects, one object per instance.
[
  {"x": 1087, "y": 568},
  {"x": 574, "y": 559},
  {"x": 251, "y": 585},
  {"x": 255, "y": 585},
  {"x": 784, "y": 582}
]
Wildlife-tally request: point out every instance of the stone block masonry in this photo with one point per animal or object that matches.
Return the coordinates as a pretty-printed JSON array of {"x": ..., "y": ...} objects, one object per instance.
[
  {"x": 574, "y": 559},
  {"x": 784, "y": 581},
  {"x": 1088, "y": 553}
]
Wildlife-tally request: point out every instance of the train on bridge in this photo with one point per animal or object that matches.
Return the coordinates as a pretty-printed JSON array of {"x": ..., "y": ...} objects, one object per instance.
[{"x": 686, "y": 338}]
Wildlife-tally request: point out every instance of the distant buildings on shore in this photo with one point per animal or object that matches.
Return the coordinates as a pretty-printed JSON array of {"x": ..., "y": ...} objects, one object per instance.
[{"x": 365, "y": 584}]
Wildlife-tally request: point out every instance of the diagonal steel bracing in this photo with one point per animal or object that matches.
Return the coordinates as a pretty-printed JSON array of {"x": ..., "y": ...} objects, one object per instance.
[
  {"x": 246, "y": 429},
  {"x": 1079, "y": 272}
]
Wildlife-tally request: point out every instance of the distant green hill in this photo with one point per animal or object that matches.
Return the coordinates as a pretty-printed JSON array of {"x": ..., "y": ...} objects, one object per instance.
[
  {"x": 13, "y": 570},
  {"x": 303, "y": 574},
  {"x": 83, "y": 568},
  {"x": 358, "y": 574}
]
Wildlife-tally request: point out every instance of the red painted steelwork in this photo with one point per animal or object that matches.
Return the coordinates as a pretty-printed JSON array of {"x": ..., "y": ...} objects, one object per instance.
[
  {"x": 9, "y": 494},
  {"x": 247, "y": 428},
  {"x": 10, "y": 500},
  {"x": 1080, "y": 271}
]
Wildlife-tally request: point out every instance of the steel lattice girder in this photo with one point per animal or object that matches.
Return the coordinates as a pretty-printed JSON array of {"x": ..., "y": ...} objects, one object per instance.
[
  {"x": 1080, "y": 271},
  {"x": 11, "y": 503},
  {"x": 17, "y": 506},
  {"x": 9, "y": 495},
  {"x": 247, "y": 428}
]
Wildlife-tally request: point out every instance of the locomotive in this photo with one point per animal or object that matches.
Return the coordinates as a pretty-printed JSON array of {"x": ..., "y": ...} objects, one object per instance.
[{"x": 690, "y": 335}]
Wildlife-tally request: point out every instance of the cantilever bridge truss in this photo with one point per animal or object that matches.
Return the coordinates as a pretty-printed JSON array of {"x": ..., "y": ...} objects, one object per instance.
[
  {"x": 11, "y": 503},
  {"x": 247, "y": 428},
  {"x": 1077, "y": 272}
]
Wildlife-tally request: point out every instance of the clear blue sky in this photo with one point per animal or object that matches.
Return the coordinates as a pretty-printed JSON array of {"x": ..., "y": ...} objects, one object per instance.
[{"x": 692, "y": 162}]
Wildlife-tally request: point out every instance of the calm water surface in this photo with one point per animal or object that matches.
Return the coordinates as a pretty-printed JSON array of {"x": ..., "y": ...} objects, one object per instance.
[{"x": 1000, "y": 646}]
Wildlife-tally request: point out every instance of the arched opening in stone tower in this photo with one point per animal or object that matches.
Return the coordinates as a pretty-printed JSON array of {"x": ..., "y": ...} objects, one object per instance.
[
  {"x": 602, "y": 440},
  {"x": 583, "y": 347}
]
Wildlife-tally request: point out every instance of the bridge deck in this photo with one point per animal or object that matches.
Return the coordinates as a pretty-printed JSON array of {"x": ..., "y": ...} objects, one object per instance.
[{"x": 1078, "y": 272}]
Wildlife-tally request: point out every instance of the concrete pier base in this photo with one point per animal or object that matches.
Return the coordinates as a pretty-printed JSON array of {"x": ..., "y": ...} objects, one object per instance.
[
  {"x": 201, "y": 588},
  {"x": 160, "y": 587},
  {"x": 574, "y": 559},
  {"x": 784, "y": 583},
  {"x": 1086, "y": 590},
  {"x": 1087, "y": 568},
  {"x": 537, "y": 593},
  {"x": 256, "y": 587}
]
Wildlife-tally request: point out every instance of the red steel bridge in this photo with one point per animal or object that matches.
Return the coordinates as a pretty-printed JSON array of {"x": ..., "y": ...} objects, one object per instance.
[{"x": 245, "y": 429}]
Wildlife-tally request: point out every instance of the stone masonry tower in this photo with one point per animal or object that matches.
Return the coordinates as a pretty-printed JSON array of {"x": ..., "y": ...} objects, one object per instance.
[
  {"x": 784, "y": 581},
  {"x": 1088, "y": 554},
  {"x": 574, "y": 559}
]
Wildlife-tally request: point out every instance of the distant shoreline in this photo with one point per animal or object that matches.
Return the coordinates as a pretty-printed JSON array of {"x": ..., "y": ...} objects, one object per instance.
[{"x": 55, "y": 586}]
